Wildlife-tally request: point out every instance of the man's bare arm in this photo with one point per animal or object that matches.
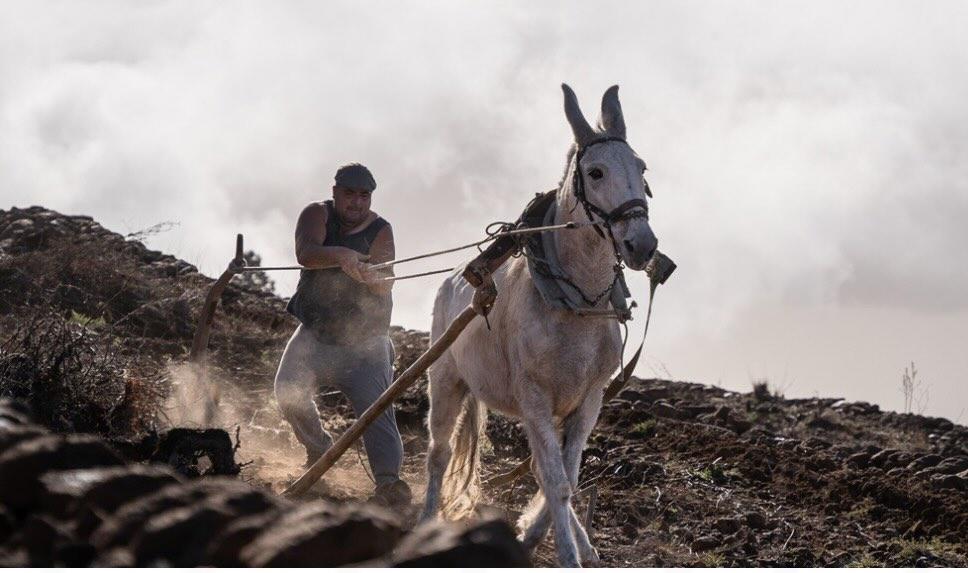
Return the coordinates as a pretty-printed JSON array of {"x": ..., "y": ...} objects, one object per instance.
[
  {"x": 310, "y": 252},
  {"x": 381, "y": 251}
]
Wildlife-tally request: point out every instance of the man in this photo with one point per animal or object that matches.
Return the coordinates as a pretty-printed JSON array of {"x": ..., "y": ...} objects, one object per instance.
[{"x": 343, "y": 338}]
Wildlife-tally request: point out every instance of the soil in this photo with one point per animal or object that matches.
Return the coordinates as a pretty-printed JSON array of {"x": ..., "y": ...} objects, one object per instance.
[{"x": 684, "y": 474}]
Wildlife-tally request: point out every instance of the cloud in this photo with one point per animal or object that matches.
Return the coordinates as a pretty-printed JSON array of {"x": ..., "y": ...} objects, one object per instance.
[{"x": 802, "y": 155}]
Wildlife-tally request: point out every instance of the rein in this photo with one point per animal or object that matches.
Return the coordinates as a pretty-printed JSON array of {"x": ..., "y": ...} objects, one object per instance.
[
  {"x": 240, "y": 267},
  {"x": 626, "y": 210}
]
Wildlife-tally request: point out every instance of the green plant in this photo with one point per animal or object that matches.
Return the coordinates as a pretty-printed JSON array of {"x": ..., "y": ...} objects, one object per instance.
[
  {"x": 865, "y": 561},
  {"x": 911, "y": 549},
  {"x": 712, "y": 473},
  {"x": 87, "y": 321},
  {"x": 860, "y": 510},
  {"x": 710, "y": 559},
  {"x": 643, "y": 429}
]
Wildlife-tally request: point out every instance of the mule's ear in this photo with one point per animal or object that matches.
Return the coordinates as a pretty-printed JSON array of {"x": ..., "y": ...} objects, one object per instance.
[
  {"x": 579, "y": 125},
  {"x": 612, "y": 122}
]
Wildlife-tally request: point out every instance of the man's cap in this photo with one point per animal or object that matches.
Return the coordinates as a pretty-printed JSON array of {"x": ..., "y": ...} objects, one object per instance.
[{"x": 355, "y": 176}]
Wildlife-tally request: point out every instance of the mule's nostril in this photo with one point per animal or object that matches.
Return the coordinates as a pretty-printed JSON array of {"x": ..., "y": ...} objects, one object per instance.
[{"x": 629, "y": 246}]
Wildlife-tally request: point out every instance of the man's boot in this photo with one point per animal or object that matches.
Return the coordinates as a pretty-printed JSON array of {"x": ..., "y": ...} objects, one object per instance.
[{"x": 392, "y": 494}]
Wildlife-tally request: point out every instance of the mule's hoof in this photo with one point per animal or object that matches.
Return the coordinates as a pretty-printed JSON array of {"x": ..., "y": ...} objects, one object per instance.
[
  {"x": 530, "y": 543},
  {"x": 589, "y": 557},
  {"x": 568, "y": 557},
  {"x": 569, "y": 563}
]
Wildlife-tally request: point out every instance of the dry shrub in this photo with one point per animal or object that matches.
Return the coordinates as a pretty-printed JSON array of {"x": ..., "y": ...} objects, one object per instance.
[
  {"x": 74, "y": 379},
  {"x": 90, "y": 321},
  {"x": 84, "y": 277},
  {"x": 70, "y": 310},
  {"x": 761, "y": 391}
]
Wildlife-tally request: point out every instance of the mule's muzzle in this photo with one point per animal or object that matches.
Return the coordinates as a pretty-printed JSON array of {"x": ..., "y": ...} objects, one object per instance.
[{"x": 639, "y": 251}]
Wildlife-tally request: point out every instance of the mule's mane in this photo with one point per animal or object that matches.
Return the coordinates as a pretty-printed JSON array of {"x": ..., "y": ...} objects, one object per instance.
[
  {"x": 568, "y": 157},
  {"x": 571, "y": 154}
]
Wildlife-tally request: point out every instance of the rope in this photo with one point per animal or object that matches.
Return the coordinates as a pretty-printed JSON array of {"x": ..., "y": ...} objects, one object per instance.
[
  {"x": 416, "y": 275},
  {"x": 498, "y": 235},
  {"x": 359, "y": 456},
  {"x": 388, "y": 264}
]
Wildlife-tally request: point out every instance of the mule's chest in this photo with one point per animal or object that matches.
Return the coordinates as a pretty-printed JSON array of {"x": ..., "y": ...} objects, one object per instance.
[{"x": 570, "y": 360}]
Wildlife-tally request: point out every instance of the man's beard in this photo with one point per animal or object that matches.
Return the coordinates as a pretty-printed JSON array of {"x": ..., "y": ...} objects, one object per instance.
[{"x": 353, "y": 219}]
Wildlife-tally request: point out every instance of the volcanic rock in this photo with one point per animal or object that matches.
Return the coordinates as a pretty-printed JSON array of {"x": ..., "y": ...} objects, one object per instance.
[
  {"x": 22, "y": 465},
  {"x": 488, "y": 544},
  {"x": 320, "y": 534}
]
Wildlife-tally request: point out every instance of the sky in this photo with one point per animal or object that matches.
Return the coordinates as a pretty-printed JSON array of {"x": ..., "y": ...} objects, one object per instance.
[{"x": 809, "y": 160}]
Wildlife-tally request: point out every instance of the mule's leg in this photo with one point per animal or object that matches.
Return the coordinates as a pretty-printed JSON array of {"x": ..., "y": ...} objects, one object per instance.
[
  {"x": 537, "y": 526},
  {"x": 578, "y": 426},
  {"x": 543, "y": 439},
  {"x": 536, "y": 520},
  {"x": 447, "y": 392}
]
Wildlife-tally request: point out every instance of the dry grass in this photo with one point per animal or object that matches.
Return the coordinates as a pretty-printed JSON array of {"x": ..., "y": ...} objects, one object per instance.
[
  {"x": 90, "y": 328},
  {"x": 915, "y": 391},
  {"x": 865, "y": 561},
  {"x": 75, "y": 379}
]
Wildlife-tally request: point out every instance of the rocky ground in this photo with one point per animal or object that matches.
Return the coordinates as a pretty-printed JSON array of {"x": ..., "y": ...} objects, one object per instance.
[
  {"x": 693, "y": 475},
  {"x": 72, "y": 500},
  {"x": 94, "y": 332}
]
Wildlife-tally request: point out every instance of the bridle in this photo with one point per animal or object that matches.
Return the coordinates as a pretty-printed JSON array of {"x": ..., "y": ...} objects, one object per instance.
[{"x": 631, "y": 209}]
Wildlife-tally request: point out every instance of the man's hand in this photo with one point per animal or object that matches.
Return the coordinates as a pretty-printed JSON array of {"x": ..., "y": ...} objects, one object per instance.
[
  {"x": 377, "y": 281},
  {"x": 368, "y": 275},
  {"x": 353, "y": 264}
]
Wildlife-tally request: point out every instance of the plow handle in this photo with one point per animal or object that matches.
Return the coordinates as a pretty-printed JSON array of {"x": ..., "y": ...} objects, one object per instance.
[{"x": 205, "y": 318}]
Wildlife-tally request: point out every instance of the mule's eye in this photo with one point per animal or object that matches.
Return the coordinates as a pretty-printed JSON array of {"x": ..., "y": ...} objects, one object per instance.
[{"x": 596, "y": 174}]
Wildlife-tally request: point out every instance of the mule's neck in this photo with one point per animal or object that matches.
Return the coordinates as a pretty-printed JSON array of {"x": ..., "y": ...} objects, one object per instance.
[{"x": 586, "y": 257}]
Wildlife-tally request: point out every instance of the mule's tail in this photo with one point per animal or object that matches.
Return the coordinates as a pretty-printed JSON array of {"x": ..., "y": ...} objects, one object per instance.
[{"x": 461, "y": 489}]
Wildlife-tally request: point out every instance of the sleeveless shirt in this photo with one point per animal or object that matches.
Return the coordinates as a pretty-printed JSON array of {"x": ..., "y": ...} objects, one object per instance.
[{"x": 338, "y": 309}]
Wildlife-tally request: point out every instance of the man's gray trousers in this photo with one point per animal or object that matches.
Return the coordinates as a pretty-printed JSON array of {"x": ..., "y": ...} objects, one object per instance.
[{"x": 362, "y": 372}]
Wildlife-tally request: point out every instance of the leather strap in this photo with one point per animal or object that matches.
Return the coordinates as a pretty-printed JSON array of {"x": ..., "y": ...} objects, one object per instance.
[{"x": 621, "y": 212}]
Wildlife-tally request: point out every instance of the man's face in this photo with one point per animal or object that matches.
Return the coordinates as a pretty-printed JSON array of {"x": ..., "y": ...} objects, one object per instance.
[{"x": 352, "y": 205}]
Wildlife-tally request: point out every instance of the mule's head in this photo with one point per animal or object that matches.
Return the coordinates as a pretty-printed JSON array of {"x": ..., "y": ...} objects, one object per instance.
[{"x": 613, "y": 175}]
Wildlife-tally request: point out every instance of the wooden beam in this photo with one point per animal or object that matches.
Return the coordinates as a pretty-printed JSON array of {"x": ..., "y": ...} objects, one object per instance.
[{"x": 376, "y": 409}]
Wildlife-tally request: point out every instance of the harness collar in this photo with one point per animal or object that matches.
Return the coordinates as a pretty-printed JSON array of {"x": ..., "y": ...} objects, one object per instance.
[{"x": 551, "y": 280}]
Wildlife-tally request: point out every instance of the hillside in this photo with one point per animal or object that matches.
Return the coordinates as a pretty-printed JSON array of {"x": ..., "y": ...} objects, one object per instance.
[{"x": 95, "y": 330}]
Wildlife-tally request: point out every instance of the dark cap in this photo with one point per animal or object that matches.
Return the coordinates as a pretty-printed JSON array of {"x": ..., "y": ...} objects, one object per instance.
[{"x": 355, "y": 176}]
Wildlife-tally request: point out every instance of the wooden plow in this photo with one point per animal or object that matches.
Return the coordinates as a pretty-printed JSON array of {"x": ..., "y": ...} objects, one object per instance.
[{"x": 485, "y": 295}]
